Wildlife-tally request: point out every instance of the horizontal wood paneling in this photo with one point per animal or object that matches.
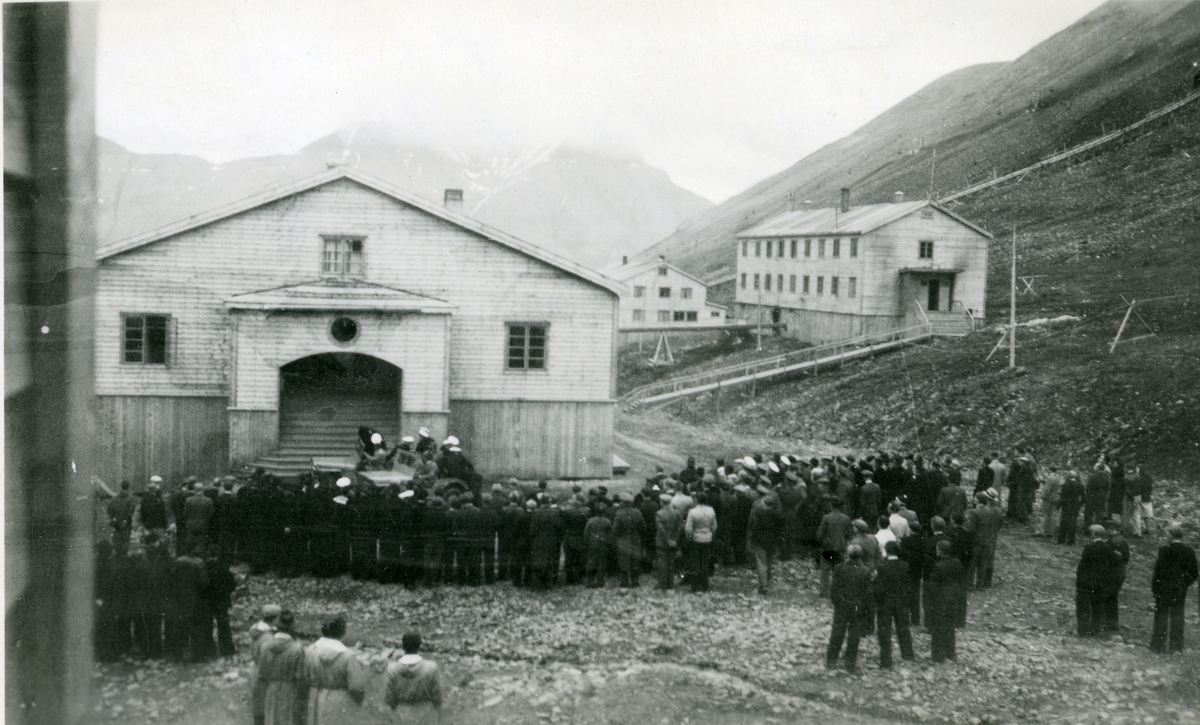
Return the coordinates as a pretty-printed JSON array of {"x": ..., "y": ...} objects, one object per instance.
[
  {"x": 535, "y": 439},
  {"x": 173, "y": 437},
  {"x": 190, "y": 275},
  {"x": 416, "y": 344},
  {"x": 252, "y": 434},
  {"x": 881, "y": 254}
]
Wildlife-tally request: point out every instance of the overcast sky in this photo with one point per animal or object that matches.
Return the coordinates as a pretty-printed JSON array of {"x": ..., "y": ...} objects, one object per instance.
[{"x": 719, "y": 94}]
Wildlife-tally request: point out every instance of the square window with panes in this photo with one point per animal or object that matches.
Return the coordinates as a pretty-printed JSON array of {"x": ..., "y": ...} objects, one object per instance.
[
  {"x": 664, "y": 291},
  {"x": 664, "y": 315},
  {"x": 692, "y": 316},
  {"x": 639, "y": 291},
  {"x": 926, "y": 250},
  {"x": 146, "y": 339},
  {"x": 342, "y": 256},
  {"x": 527, "y": 346},
  {"x": 678, "y": 316},
  {"x": 685, "y": 293},
  {"x": 639, "y": 315},
  {"x": 662, "y": 271}
]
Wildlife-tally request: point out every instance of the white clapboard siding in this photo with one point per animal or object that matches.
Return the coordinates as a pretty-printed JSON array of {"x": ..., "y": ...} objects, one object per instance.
[
  {"x": 416, "y": 344},
  {"x": 650, "y": 303},
  {"x": 897, "y": 246},
  {"x": 191, "y": 274}
]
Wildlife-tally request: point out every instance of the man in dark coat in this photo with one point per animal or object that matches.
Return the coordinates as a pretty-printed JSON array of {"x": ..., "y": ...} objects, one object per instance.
[
  {"x": 177, "y": 502},
  {"x": 1174, "y": 571},
  {"x": 833, "y": 535},
  {"x": 120, "y": 517},
  {"x": 216, "y": 598},
  {"x": 1070, "y": 500},
  {"x": 224, "y": 521},
  {"x": 668, "y": 528},
  {"x": 765, "y": 533},
  {"x": 507, "y": 528},
  {"x": 870, "y": 501},
  {"x": 545, "y": 542},
  {"x": 153, "y": 508},
  {"x": 186, "y": 617},
  {"x": 1095, "y": 577},
  {"x": 891, "y": 602},
  {"x": 151, "y": 571},
  {"x": 1022, "y": 480},
  {"x": 1111, "y": 605},
  {"x": 851, "y": 592},
  {"x": 984, "y": 524},
  {"x": 197, "y": 515},
  {"x": 951, "y": 501},
  {"x": 597, "y": 535},
  {"x": 947, "y": 602},
  {"x": 1096, "y": 502},
  {"x": 628, "y": 524},
  {"x": 435, "y": 529},
  {"x": 471, "y": 530},
  {"x": 986, "y": 477},
  {"x": 930, "y": 559},
  {"x": 912, "y": 552}
]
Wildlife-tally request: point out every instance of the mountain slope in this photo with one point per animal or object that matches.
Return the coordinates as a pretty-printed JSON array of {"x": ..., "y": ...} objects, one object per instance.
[
  {"x": 1123, "y": 223},
  {"x": 585, "y": 205},
  {"x": 1119, "y": 62}
]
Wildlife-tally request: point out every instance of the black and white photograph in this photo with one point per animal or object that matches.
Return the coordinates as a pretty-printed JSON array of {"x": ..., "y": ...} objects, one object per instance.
[{"x": 579, "y": 362}]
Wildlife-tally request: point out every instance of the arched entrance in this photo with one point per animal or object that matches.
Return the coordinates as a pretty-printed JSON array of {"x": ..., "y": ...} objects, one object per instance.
[{"x": 323, "y": 399}]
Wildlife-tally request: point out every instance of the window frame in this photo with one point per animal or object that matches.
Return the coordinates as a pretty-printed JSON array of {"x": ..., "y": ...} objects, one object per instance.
[
  {"x": 792, "y": 284},
  {"x": 793, "y": 249},
  {"x": 745, "y": 247},
  {"x": 685, "y": 293},
  {"x": 758, "y": 247},
  {"x": 767, "y": 282},
  {"x": 833, "y": 285},
  {"x": 639, "y": 315},
  {"x": 779, "y": 284},
  {"x": 692, "y": 316},
  {"x": 853, "y": 247},
  {"x": 351, "y": 239},
  {"x": 757, "y": 281},
  {"x": 770, "y": 248},
  {"x": 808, "y": 248},
  {"x": 666, "y": 296},
  {"x": 922, "y": 246},
  {"x": 169, "y": 341},
  {"x": 821, "y": 249},
  {"x": 805, "y": 286},
  {"x": 821, "y": 285},
  {"x": 743, "y": 280},
  {"x": 508, "y": 346},
  {"x": 639, "y": 290},
  {"x": 837, "y": 248},
  {"x": 851, "y": 287},
  {"x": 664, "y": 316}
]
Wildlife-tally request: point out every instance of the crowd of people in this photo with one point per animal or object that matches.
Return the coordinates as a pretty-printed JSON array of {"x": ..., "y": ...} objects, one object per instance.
[{"x": 894, "y": 540}]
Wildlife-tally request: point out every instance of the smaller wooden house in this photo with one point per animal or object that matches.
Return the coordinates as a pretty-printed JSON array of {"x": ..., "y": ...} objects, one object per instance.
[
  {"x": 660, "y": 295},
  {"x": 841, "y": 272}
]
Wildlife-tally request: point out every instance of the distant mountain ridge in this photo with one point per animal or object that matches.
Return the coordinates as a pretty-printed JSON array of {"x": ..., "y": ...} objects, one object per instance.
[
  {"x": 1121, "y": 61},
  {"x": 588, "y": 206}
]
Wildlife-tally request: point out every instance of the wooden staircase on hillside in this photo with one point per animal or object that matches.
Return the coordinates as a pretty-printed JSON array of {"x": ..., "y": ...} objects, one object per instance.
[{"x": 326, "y": 426}]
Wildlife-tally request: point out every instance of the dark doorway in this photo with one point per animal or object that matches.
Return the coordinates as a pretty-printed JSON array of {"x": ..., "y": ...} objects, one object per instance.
[
  {"x": 776, "y": 315},
  {"x": 935, "y": 293},
  {"x": 323, "y": 399}
]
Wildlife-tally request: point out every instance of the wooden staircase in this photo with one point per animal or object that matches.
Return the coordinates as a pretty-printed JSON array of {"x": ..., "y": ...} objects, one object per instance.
[{"x": 326, "y": 426}]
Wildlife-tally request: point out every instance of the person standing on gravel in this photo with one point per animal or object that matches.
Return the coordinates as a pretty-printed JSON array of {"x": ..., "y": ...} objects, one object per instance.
[
  {"x": 948, "y": 601},
  {"x": 1094, "y": 577},
  {"x": 414, "y": 686},
  {"x": 1141, "y": 486},
  {"x": 627, "y": 537},
  {"x": 850, "y": 591},
  {"x": 985, "y": 522},
  {"x": 1174, "y": 571},
  {"x": 833, "y": 535},
  {"x": 700, "y": 529},
  {"x": 1070, "y": 500},
  {"x": 1051, "y": 491},
  {"x": 1095, "y": 505},
  {"x": 891, "y": 603}
]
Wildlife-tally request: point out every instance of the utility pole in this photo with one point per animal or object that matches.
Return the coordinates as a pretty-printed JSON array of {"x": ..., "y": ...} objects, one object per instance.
[
  {"x": 1012, "y": 307},
  {"x": 932, "y": 165}
]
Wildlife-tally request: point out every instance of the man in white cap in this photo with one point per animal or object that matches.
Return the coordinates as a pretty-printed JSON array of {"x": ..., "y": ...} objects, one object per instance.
[{"x": 425, "y": 441}]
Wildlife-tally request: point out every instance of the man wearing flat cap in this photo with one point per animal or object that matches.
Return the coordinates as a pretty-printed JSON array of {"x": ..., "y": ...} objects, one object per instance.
[{"x": 1174, "y": 571}]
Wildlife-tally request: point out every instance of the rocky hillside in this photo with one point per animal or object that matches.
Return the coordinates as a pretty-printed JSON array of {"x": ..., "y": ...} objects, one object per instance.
[
  {"x": 1124, "y": 222},
  {"x": 586, "y": 205},
  {"x": 1119, "y": 62}
]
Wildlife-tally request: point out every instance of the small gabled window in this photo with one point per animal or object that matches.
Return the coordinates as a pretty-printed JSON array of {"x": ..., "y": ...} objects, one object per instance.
[
  {"x": 662, "y": 271},
  {"x": 146, "y": 339},
  {"x": 342, "y": 256},
  {"x": 527, "y": 346}
]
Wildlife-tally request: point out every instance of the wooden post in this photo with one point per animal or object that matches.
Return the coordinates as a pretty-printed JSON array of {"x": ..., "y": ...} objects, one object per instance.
[
  {"x": 1124, "y": 321},
  {"x": 718, "y": 398},
  {"x": 754, "y": 384},
  {"x": 1012, "y": 307}
]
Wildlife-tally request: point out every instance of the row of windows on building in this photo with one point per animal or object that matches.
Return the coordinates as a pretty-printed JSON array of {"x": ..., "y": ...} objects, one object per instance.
[
  {"x": 790, "y": 248},
  {"x": 147, "y": 340},
  {"x": 763, "y": 282},
  {"x": 673, "y": 315},
  {"x": 685, "y": 293}
]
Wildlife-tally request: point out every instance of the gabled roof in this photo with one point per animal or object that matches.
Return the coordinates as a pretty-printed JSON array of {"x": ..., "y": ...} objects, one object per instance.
[
  {"x": 626, "y": 272},
  {"x": 832, "y": 221},
  {"x": 371, "y": 182},
  {"x": 338, "y": 295}
]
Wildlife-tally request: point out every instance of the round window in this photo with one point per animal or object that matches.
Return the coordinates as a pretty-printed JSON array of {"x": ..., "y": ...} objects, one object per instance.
[{"x": 344, "y": 329}]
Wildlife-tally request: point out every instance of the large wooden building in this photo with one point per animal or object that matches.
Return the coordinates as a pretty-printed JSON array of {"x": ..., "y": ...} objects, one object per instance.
[
  {"x": 658, "y": 294},
  {"x": 841, "y": 272},
  {"x": 286, "y": 320}
]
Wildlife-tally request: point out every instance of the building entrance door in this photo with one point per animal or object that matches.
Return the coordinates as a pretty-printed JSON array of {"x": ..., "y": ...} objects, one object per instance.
[
  {"x": 935, "y": 291},
  {"x": 323, "y": 399}
]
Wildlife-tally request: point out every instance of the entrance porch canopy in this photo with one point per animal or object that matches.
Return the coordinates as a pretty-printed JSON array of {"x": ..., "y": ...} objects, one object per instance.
[{"x": 333, "y": 295}]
